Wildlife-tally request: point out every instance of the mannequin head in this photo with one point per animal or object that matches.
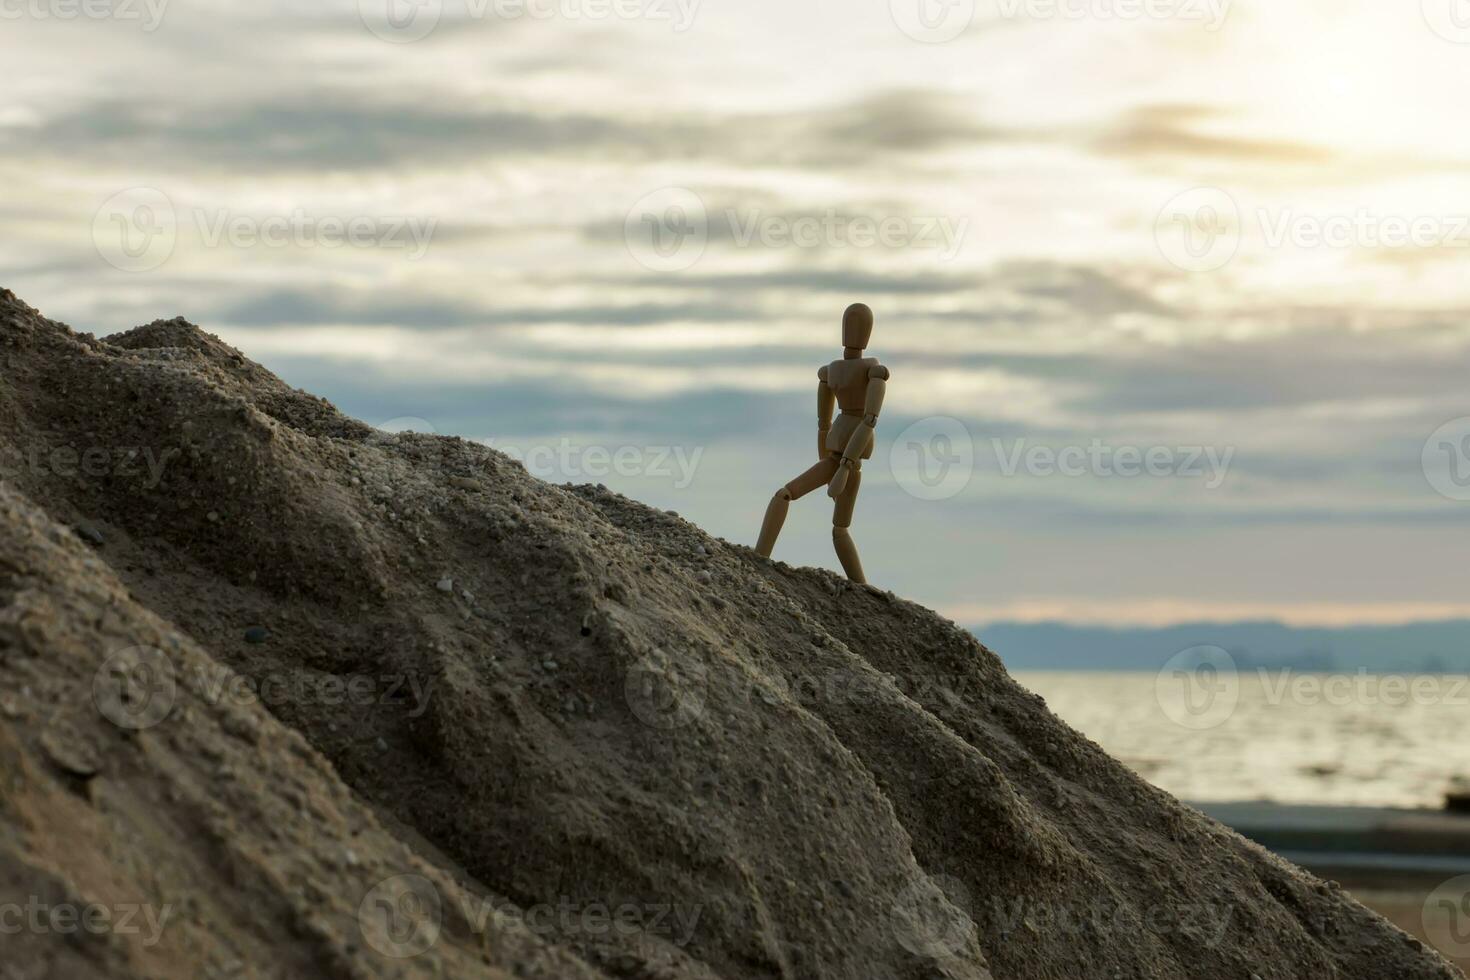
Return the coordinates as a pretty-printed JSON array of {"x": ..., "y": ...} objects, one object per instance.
[{"x": 857, "y": 328}]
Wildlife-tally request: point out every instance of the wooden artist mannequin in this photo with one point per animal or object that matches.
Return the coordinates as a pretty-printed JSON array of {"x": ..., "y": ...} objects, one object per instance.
[{"x": 856, "y": 385}]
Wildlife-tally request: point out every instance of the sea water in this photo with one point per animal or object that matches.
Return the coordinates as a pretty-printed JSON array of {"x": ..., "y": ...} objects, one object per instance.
[{"x": 1348, "y": 739}]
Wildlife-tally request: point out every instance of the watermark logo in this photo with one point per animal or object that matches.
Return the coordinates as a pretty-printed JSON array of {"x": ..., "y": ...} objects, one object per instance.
[
  {"x": 666, "y": 692},
  {"x": 1446, "y": 917},
  {"x": 934, "y": 458},
  {"x": 401, "y": 916},
  {"x": 1199, "y": 229},
  {"x": 136, "y": 230},
  {"x": 1446, "y": 459},
  {"x": 135, "y": 688},
  {"x": 1450, "y": 19},
  {"x": 931, "y": 917},
  {"x": 1198, "y": 688},
  {"x": 400, "y": 21},
  {"x": 932, "y": 21},
  {"x": 668, "y": 230}
]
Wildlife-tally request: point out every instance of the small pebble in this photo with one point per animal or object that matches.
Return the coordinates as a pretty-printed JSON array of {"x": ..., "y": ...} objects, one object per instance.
[
  {"x": 90, "y": 534},
  {"x": 257, "y": 634},
  {"x": 446, "y": 585},
  {"x": 70, "y": 754},
  {"x": 212, "y": 516}
]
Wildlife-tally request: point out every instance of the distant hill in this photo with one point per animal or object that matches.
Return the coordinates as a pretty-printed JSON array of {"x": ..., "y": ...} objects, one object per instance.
[{"x": 1430, "y": 647}]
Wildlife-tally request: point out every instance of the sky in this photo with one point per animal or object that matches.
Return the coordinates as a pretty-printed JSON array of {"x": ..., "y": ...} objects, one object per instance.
[{"x": 1171, "y": 291}]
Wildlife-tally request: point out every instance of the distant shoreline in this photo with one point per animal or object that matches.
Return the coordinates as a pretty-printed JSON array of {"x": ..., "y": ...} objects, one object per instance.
[{"x": 1441, "y": 647}]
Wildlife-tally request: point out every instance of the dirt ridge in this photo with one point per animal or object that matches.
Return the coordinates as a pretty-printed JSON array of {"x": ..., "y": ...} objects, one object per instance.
[{"x": 568, "y": 707}]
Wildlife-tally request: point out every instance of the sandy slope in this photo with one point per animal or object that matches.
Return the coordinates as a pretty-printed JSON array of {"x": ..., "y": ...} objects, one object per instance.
[{"x": 500, "y": 726}]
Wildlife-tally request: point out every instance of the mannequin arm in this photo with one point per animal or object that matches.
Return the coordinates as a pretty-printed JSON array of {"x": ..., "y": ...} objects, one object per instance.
[
  {"x": 872, "y": 405},
  {"x": 862, "y": 437},
  {"x": 825, "y": 400}
]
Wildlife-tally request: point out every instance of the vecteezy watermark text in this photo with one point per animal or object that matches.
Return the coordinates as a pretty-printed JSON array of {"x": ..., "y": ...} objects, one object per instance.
[
  {"x": 670, "y": 229},
  {"x": 1097, "y": 459},
  {"x": 299, "y": 229},
  {"x": 328, "y": 690},
  {"x": 567, "y": 461},
  {"x": 403, "y": 916},
  {"x": 831, "y": 230},
  {"x": 137, "y": 230},
  {"x": 1210, "y": 13},
  {"x": 1202, "y": 922},
  {"x": 40, "y": 917},
  {"x": 140, "y": 463},
  {"x": 406, "y": 21},
  {"x": 1199, "y": 688},
  {"x": 137, "y": 687},
  {"x": 570, "y": 919},
  {"x": 149, "y": 13},
  {"x": 1202, "y": 229}
]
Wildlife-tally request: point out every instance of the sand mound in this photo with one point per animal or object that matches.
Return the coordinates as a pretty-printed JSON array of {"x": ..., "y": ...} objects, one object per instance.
[{"x": 357, "y": 704}]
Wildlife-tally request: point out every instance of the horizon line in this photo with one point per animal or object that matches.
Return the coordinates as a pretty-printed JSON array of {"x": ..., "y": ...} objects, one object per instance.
[{"x": 1153, "y": 614}]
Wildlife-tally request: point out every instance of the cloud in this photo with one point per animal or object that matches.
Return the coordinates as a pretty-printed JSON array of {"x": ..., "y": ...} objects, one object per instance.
[
  {"x": 1286, "y": 370},
  {"x": 904, "y": 121},
  {"x": 1173, "y": 130},
  {"x": 333, "y": 129},
  {"x": 345, "y": 129},
  {"x": 303, "y": 307}
]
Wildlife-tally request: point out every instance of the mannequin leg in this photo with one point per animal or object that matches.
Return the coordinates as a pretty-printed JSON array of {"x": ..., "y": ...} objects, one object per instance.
[
  {"x": 841, "y": 521},
  {"x": 818, "y": 476}
]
